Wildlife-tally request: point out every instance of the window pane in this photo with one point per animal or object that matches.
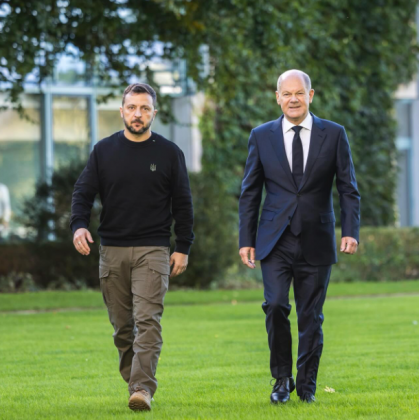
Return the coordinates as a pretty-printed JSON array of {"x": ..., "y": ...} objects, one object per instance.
[
  {"x": 70, "y": 129},
  {"x": 403, "y": 188},
  {"x": 403, "y": 112},
  {"x": 19, "y": 157}
]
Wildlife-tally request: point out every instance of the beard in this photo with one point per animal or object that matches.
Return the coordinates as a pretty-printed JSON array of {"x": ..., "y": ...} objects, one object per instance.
[{"x": 138, "y": 131}]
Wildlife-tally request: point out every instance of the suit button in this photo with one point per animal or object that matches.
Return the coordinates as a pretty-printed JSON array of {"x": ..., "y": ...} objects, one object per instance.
[{"x": 298, "y": 195}]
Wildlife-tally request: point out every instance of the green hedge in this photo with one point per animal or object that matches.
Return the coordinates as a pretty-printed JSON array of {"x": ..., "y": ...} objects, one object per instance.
[
  {"x": 53, "y": 265},
  {"x": 384, "y": 254},
  {"x": 57, "y": 265}
]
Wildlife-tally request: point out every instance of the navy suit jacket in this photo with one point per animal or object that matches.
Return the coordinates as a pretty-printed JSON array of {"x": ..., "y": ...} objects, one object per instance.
[{"x": 267, "y": 165}]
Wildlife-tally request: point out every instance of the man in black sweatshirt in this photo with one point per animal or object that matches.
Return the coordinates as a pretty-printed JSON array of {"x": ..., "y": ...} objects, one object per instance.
[{"x": 143, "y": 184}]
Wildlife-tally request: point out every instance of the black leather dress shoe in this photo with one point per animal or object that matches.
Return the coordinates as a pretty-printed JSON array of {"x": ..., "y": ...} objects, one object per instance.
[
  {"x": 282, "y": 390},
  {"x": 308, "y": 398}
]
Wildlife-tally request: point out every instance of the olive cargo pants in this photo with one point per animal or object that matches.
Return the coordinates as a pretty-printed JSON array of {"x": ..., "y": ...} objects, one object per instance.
[{"x": 134, "y": 281}]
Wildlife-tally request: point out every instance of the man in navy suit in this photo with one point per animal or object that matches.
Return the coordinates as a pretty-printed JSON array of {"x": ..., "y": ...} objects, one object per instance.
[{"x": 296, "y": 158}]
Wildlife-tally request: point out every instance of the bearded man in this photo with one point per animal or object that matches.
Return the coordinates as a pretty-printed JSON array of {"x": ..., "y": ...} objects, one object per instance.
[{"x": 143, "y": 184}]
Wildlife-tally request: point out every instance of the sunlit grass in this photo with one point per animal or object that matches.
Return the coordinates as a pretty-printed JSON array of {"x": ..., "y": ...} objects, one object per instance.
[
  {"x": 214, "y": 364},
  {"x": 93, "y": 299}
]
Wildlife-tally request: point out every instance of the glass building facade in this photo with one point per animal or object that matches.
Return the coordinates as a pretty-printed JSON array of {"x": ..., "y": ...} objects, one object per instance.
[{"x": 20, "y": 153}]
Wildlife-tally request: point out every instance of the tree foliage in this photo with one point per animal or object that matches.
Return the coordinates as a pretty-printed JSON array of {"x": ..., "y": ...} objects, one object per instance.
[
  {"x": 47, "y": 214},
  {"x": 215, "y": 224},
  {"x": 104, "y": 34},
  {"x": 356, "y": 53}
]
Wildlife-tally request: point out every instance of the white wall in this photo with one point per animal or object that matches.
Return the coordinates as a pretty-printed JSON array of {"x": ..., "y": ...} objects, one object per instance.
[{"x": 185, "y": 131}]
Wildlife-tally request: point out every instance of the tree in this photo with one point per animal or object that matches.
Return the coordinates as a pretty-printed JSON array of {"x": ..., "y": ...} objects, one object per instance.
[{"x": 356, "y": 52}]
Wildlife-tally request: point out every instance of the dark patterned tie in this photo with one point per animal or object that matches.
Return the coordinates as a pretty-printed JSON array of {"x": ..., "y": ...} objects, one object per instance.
[{"x": 297, "y": 174}]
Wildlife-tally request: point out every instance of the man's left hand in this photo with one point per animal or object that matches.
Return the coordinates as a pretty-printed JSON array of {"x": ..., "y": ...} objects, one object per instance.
[
  {"x": 348, "y": 245},
  {"x": 179, "y": 262}
]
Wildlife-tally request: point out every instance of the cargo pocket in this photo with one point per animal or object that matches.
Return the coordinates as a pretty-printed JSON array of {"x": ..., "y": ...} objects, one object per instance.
[
  {"x": 157, "y": 279},
  {"x": 105, "y": 283}
]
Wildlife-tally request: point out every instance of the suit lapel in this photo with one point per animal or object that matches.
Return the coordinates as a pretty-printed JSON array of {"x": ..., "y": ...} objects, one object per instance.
[
  {"x": 317, "y": 138},
  {"x": 276, "y": 137}
]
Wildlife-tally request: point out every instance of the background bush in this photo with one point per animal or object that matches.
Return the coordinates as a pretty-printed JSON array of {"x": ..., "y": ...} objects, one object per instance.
[
  {"x": 216, "y": 242},
  {"x": 384, "y": 254},
  {"x": 53, "y": 262}
]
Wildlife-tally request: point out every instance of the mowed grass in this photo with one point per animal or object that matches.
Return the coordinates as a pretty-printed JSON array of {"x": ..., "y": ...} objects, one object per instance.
[
  {"x": 214, "y": 364},
  {"x": 49, "y": 300}
]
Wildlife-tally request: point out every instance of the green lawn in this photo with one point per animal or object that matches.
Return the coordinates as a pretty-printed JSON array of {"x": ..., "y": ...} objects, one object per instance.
[
  {"x": 215, "y": 361},
  {"x": 93, "y": 299}
]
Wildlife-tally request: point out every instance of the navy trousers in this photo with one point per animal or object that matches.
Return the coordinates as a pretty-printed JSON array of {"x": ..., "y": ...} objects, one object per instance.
[{"x": 284, "y": 263}]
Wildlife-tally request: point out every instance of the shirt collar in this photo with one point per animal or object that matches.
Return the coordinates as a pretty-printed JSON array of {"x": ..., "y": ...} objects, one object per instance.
[{"x": 307, "y": 123}]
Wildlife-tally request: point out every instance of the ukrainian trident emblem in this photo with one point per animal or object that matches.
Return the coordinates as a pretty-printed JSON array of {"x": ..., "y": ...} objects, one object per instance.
[{"x": 153, "y": 167}]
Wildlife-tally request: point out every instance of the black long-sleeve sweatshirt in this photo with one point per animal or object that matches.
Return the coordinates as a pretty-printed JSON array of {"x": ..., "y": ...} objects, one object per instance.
[{"x": 142, "y": 186}]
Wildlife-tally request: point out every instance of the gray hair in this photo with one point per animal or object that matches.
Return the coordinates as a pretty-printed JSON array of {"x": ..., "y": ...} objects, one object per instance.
[{"x": 294, "y": 72}]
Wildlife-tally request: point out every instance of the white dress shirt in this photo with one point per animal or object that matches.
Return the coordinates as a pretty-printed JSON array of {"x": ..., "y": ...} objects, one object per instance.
[{"x": 305, "y": 135}]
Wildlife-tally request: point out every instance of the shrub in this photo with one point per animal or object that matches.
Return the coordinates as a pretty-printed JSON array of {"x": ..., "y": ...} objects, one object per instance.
[
  {"x": 56, "y": 264},
  {"x": 17, "y": 282},
  {"x": 215, "y": 227},
  {"x": 383, "y": 254},
  {"x": 47, "y": 213}
]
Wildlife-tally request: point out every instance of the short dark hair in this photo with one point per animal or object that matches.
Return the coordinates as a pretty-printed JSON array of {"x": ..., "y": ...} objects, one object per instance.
[{"x": 140, "y": 88}]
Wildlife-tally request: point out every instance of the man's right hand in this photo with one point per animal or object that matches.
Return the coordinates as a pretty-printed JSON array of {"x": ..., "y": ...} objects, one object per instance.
[
  {"x": 247, "y": 255},
  {"x": 81, "y": 236}
]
